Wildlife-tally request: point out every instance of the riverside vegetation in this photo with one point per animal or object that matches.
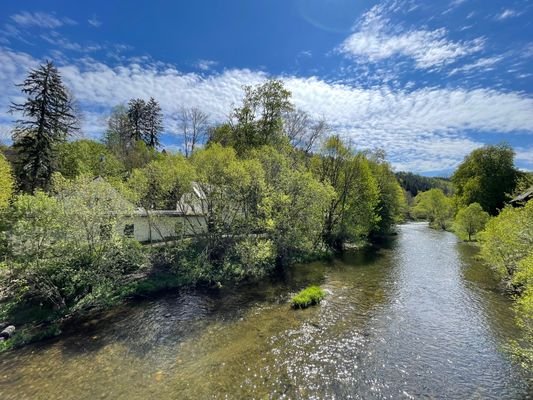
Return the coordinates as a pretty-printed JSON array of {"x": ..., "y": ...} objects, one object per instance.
[
  {"x": 280, "y": 188},
  {"x": 485, "y": 181},
  {"x": 308, "y": 297}
]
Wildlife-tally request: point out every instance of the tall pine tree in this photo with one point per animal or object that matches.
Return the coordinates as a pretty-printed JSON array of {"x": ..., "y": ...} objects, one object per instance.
[
  {"x": 137, "y": 117},
  {"x": 47, "y": 119},
  {"x": 153, "y": 123}
]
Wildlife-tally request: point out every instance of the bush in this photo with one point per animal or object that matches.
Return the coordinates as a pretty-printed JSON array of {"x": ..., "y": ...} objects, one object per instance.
[{"x": 308, "y": 297}]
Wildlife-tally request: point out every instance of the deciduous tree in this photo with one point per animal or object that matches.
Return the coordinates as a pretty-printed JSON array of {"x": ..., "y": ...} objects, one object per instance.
[
  {"x": 470, "y": 220},
  {"x": 487, "y": 176}
]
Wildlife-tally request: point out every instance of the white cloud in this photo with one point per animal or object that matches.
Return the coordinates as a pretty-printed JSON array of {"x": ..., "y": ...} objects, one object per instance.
[
  {"x": 206, "y": 65},
  {"x": 377, "y": 39},
  {"x": 508, "y": 13},
  {"x": 525, "y": 154},
  {"x": 486, "y": 63},
  {"x": 40, "y": 19},
  {"x": 456, "y": 3},
  {"x": 54, "y": 38},
  {"x": 421, "y": 130},
  {"x": 94, "y": 21}
]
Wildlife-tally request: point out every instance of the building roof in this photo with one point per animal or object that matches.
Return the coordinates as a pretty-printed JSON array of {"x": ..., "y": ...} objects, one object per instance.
[{"x": 525, "y": 196}]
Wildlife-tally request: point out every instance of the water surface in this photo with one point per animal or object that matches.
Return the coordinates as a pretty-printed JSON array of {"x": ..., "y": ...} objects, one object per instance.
[{"x": 419, "y": 318}]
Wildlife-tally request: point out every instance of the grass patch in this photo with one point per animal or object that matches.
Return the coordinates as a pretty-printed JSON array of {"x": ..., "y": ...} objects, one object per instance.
[{"x": 308, "y": 297}]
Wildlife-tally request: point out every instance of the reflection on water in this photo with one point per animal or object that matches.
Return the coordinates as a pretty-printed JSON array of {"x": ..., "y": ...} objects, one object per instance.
[{"x": 418, "y": 318}]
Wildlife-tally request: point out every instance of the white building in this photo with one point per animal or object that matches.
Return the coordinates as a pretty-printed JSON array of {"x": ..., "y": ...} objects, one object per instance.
[{"x": 188, "y": 219}]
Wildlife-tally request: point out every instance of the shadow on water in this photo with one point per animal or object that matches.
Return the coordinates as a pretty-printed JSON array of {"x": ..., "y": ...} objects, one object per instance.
[{"x": 418, "y": 317}]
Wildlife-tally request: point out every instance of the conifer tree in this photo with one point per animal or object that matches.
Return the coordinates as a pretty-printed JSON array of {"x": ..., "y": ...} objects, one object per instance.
[
  {"x": 137, "y": 118},
  {"x": 47, "y": 118},
  {"x": 153, "y": 123}
]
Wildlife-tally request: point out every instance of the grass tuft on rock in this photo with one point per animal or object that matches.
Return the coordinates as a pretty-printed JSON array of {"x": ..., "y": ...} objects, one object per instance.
[{"x": 308, "y": 297}]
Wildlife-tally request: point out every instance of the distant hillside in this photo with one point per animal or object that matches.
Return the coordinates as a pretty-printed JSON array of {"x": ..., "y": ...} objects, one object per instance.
[{"x": 414, "y": 183}]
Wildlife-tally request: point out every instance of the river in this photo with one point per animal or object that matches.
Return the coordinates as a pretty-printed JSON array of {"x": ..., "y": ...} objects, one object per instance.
[{"x": 418, "y": 318}]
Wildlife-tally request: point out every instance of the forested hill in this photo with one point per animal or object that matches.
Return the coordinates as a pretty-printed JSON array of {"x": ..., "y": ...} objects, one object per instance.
[{"x": 414, "y": 183}]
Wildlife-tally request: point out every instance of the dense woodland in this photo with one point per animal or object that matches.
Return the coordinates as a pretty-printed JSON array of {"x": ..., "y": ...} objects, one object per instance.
[{"x": 280, "y": 187}]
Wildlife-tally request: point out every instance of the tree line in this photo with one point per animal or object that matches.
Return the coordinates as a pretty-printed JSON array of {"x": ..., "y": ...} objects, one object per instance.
[{"x": 278, "y": 187}]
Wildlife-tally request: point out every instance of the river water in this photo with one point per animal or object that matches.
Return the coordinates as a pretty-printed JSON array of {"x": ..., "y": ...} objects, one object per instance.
[{"x": 419, "y": 318}]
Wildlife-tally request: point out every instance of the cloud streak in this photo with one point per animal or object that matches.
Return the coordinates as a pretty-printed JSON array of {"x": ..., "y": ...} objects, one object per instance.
[
  {"x": 376, "y": 39},
  {"x": 40, "y": 19}
]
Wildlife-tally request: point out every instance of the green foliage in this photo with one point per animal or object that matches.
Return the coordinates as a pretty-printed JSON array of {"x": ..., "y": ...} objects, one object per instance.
[
  {"x": 353, "y": 211},
  {"x": 259, "y": 120},
  {"x": 507, "y": 246},
  {"x": 65, "y": 251},
  {"x": 434, "y": 206},
  {"x": 308, "y": 297},
  {"x": 507, "y": 239},
  {"x": 161, "y": 183},
  {"x": 87, "y": 157},
  {"x": 470, "y": 220},
  {"x": 487, "y": 176},
  {"x": 392, "y": 203},
  {"x": 525, "y": 182},
  {"x": 292, "y": 206},
  {"x": 6, "y": 182},
  {"x": 523, "y": 278}
]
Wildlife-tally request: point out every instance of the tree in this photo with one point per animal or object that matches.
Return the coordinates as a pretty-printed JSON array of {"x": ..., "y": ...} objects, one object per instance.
[
  {"x": 507, "y": 239},
  {"x": 434, "y": 206},
  {"x": 153, "y": 124},
  {"x": 507, "y": 246},
  {"x": 47, "y": 119},
  {"x": 193, "y": 125},
  {"x": 87, "y": 157},
  {"x": 259, "y": 120},
  {"x": 65, "y": 251},
  {"x": 414, "y": 183},
  {"x": 118, "y": 135},
  {"x": 6, "y": 182},
  {"x": 292, "y": 205},
  {"x": 392, "y": 204},
  {"x": 470, "y": 220},
  {"x": 226, "y": 187},
  {"x": 352, "y": 212},
  {"x": 487, "y": 176},
  {"x": 302, "y": 131},
  {"x": 137, "y": 118}
]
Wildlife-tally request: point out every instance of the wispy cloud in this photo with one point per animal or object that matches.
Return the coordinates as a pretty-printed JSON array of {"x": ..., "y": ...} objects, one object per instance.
[
  {"x": 206, "y": 65},
  {"x": 421, "y": 130},
  {"x": 376, "y": 39},
  {"x": 94, "y": 21},
  {"x": 41, "y": 20},
  {"x": 508, "y": 13},
  {"x": 486, "y": 64},
  {"x": 55, "y": 39}
]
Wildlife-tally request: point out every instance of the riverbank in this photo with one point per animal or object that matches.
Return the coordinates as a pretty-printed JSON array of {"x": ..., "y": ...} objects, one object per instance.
[
  {"x": 35, "y": 323},
  {"x": 417, "y": 317}
]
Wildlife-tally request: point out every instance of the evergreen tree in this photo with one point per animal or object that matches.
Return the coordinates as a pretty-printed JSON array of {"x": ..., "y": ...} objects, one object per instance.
[
  {"x": 137, "y": 118},
  {"x": 153, "y": 123},
  {"x": 47, "y": 119}
]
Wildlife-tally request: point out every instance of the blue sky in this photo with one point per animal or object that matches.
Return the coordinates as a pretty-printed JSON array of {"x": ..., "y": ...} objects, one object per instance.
[{"x": 426, "y": 81}]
